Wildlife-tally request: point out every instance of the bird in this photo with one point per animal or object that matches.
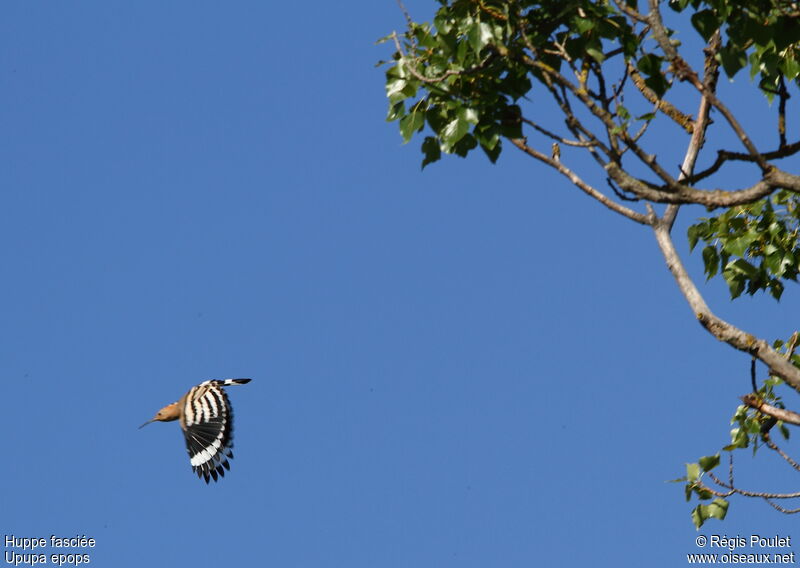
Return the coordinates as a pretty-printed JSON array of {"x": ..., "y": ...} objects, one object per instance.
[
  {"x": 206, "y": 418},
  {"x": 556, "y": 152}
]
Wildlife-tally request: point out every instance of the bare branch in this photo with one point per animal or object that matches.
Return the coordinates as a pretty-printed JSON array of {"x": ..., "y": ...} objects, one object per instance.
[
  {"x": 605, "y": 117},
  {"x": 409, "y": 21},
  {"x": 782, "y": 509},
  {"x": 631, "y": 12},
  {"x": 585, "y": 187},
  {"x": 725, "y": 155},
  {"x": 683, "y": 120},
  {"x": 700, "y": 126},
  {"x": 556, "y": 137},
  {"x": 773, "y": 446},
  {"x": 685, "y": 73},
  {"x": 679, "y": 193},
  {"x": 783, "y": 93},
  {"x": 660, "y": 31},
  {"x": 718, "y": 327},
  {"x": 762, "y": 494}
]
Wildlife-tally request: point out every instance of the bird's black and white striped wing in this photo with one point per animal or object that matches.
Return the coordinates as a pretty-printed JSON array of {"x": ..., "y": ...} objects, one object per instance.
[{"x": 207, "y": 424}]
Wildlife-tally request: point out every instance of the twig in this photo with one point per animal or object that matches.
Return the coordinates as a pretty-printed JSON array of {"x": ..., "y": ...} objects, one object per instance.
[
  {"x": 725, "y": 155},
  {"x": 773, "y": 446},
  {"x": 585, "y": 187},
  {"x": 685, "y": 72},
  {"x": 783, "y": 93},
  {"x": 556, "y": 137},
  {"x": 782, "y": 509},
  {"x": 762, "y": 494}
]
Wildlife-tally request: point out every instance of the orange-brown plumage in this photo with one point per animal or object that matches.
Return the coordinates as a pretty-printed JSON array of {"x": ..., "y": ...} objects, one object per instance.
[{"x": 206, "y": 419}]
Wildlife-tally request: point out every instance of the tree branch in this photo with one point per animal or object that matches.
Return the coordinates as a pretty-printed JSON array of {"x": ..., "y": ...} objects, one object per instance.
[
  {"x": 762, "y": 494},
  {"x": 786, "y": 457},
  {"x": 700, "y": 126},
  {"x": 725, "y": 155},
  {"x": 585, "y": 187},
  {"x": 683, "y": 120},
  {"x": 718, "y": 327},
  {"x": 679, "y": 193},
  {"x": 685, "y": 73},
  {"x": 722, "y": 330},
  {"x": 787, "y": 416}
]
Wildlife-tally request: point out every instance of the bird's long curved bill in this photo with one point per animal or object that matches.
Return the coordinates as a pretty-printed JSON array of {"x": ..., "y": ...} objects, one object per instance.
[{"x": 146, "y": 423}]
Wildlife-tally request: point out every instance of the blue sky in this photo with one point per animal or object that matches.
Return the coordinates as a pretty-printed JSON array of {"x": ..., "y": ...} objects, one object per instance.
[{"x": 473, "y": 365}]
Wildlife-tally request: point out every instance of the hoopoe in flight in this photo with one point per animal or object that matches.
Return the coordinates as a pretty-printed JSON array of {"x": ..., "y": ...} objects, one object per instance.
[{"x": 206, "y": 419}]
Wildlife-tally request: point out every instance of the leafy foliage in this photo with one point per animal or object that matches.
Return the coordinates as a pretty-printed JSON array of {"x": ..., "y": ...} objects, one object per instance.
[
  {"x": 463, "y": 75},
  {"x": 749, "y": 427},
  {"x": 718, "y": 508},
  {"x": 477, "y": 73},
  {"x": 755, "y": 247},
  {"x": 763, "y": 35}
]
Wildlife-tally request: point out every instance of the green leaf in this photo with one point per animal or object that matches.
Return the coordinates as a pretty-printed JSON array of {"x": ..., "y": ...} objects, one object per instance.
[
  {"x": 583, "y": 25},
  {"x": 785, "y": 33},
  {"x": 432, "y": 151},
  {"x": 694, "y": 234},
  {"x": 739, "y": 439},
  {"x": 702, "y": 493},
  {"x": 773, "y": 263},
  {"x": 397, "y": 110},
  {"x": 776, "y": 289},
  {"x": 735, "y": 285},
  {"x": 596, "y": 54},
  {"x": 394, "y": 90},
  {"x": 492, "y": 152},
  {"x": 710, "y": 260},
  {"x": 790, "y": 67},
  {"x": 692, "y": 471},
  {"x": 453, "y": 132},
  {"x": 705, "y": 22},
  {"x": 732, "y": 58},
  {"x": 463, "y": 146},
  {"x": 739, "y": 245},
  {"x": 709, "y": 462},
  {"x": 469, "y": 114},
  {"x": 649, "y": 64},
  {"x": 479, "y": 35},
  {"x": 697, "y": 519},
  {"x": 410, "y": 124},
  {"x": 678, "y": 5},
  {"x": 658, "y": 83},
  {"x": 743, "y": 267},
  {"x": 715, "y": 510},
  {"x": 489, "y": 140}
]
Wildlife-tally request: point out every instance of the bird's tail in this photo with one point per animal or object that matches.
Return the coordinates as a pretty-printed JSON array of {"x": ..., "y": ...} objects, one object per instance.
[{"x": 229, "y": 382}]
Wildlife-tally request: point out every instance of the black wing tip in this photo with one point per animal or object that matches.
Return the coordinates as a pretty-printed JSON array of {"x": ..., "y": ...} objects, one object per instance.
[{"x": 213, "y": 469}]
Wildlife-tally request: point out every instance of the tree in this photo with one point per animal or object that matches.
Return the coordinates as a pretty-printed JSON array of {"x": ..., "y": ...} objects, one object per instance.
[{"x": 613, "y": 73}]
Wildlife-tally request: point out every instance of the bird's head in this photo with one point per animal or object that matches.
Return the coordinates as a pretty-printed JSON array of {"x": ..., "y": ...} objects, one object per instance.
[{"x": 166, "y": 414}]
